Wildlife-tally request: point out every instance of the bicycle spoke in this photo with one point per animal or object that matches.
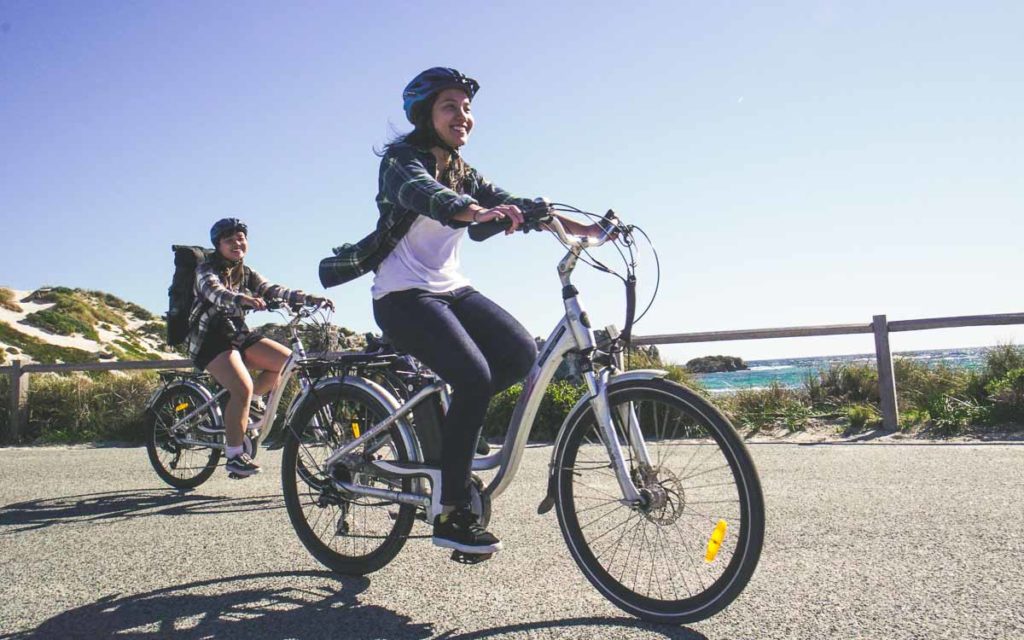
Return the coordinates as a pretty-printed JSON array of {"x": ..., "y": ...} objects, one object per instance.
[{"x": 656, "y": 549}]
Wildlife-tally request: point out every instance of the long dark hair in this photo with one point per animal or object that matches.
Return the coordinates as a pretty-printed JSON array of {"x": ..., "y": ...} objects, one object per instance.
[
  {"x": 231, "y": 272},
  {"x": 456, "y": 174}
]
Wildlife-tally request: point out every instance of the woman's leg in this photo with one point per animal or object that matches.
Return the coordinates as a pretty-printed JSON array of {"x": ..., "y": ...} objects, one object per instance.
[
  {"x": 229, "y": 370},
  {"x": 269, "y": 357},
  {"x": 422, "y": 324},
  {"x": 509, "y": 348}
]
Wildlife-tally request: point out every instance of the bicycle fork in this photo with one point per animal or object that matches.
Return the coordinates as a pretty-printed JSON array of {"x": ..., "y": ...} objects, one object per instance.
[{"x": 597, "y": 384}]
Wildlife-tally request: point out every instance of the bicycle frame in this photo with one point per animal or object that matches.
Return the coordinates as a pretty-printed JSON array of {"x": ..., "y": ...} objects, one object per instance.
[
  {"x": 298, "y": 353},
  {"x": 573, "y": 334}
]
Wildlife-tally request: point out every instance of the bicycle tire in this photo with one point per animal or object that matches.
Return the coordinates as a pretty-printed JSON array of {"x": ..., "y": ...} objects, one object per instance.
[
  {"x": 718, "y": 483},
  {"x": 315, "y": 507},
  {"x": 165, "y": 453}
]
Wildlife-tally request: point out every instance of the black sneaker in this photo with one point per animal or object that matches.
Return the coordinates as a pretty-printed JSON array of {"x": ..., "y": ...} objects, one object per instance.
[
  {"x": 461, "y": 530},
  {"x": 242, "y": 465}
]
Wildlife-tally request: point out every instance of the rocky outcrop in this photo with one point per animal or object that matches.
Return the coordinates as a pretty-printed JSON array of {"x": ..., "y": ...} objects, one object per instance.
[{"x": 716, "y": 364}]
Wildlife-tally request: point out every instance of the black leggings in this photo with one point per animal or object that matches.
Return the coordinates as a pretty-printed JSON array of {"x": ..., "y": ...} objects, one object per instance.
[{"x": 475, "y": 346}]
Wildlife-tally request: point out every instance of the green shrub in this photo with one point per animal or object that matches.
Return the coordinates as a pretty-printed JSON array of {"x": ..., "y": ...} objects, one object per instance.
[
  {"x": 954, "y": 415},
  {"x": 1006, "y": 396},
  {"x": 650, "y": 358},
  {"x": 847, "y": 382},
  {"x": 999, "y": 361},
  {"x": 74, "y": 311},
  {"x": 41, "y": 351},
  {"x": 771, "y": 407},
  {"x": 114, "y": 302},
  {"x": 84, "y": 408},
  {"x": 132, "y": 349},
  {"x": 156, "y": 329},
  {"x": 925, "y": 387},
  {"x": 1002, "y": 359},
  {"x": 913, "y": 418},
  {"x": 7, "y": 300},
  {"x": 559, "y": 398},
  {"x": 860, "y": 415}
]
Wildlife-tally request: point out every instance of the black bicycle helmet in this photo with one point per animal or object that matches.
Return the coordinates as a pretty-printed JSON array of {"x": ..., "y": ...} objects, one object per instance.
[
  {"x": 432, "y": 81},
  {"x": 225, "y": 227}
]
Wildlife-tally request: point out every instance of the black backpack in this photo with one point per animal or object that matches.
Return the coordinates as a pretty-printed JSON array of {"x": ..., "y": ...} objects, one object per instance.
[{"x": 181, "y": 293}]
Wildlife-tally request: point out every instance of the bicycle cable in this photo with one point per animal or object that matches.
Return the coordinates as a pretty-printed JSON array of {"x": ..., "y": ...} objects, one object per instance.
[{"x": 625, "y": 238}]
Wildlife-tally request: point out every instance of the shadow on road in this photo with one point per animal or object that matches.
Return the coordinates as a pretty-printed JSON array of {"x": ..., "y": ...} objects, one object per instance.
[
  {"x": 601, "y": 628},
  {"x": 302, "y": 605},
  {"x": 123, "y": 505}
]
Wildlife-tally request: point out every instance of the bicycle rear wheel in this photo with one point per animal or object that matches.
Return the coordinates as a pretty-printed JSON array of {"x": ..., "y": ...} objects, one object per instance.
[
  {"x": 690, "y": 548},
  {"x": 349, "y": 534},
  {"x": 182, "y": 466}
]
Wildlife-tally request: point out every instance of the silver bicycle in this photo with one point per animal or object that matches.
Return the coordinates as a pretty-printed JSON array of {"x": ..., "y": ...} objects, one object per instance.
[
  {"x": 656, "y": 495},
  {"x": 185, "y": 422}
]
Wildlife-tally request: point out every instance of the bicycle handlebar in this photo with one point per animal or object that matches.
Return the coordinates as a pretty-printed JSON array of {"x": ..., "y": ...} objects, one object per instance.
[
  {"x": 539, "y": 218},
  {"x": 532, "y": 219}
]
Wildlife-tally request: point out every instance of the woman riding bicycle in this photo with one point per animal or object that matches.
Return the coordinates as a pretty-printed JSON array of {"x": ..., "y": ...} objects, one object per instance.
[
  {"x": 222, "y": 344},
  {"x": 421, "y": 300}
]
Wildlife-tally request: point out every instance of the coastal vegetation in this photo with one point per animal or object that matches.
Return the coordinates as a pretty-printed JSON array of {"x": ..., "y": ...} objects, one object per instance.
[
  {"x": 7, "y": 300},
  {"x": 123, "y": 330},
  {"x": 934, "y": 400},
  {"x": 75, "y": 311},
  {"x": 39, "y": 350}
]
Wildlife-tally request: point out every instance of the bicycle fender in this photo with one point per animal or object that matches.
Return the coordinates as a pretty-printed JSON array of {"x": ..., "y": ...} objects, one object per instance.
[
  {"x": 627, "y": 376},
  {"x": 379, "y": 393},
  {"x": 191, "y": 384}
]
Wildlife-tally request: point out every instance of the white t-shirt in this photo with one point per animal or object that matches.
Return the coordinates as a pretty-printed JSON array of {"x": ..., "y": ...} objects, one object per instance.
[{"x": 427, "y": 257}]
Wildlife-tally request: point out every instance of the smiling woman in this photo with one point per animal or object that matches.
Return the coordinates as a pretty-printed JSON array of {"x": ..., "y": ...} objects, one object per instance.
[{"x": 427, "y": 197}]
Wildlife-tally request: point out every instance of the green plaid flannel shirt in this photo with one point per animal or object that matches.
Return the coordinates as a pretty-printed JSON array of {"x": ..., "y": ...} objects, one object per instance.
[
  {"x": 407, "y": 188},
  {"x": 213, "y": 299}
]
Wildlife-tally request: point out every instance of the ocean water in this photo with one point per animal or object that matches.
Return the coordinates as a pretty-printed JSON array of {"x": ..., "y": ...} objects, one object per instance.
[{"x": 791, "y": 372}]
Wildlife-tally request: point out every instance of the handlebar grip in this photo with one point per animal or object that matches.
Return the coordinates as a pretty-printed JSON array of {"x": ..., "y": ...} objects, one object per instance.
[{"x": 482, "y": 231}]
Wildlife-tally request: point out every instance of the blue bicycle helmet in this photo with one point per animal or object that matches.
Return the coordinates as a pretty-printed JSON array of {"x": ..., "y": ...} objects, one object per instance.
[
  {"x": 432, "y": 81},
  {"x": 224, "y": 227}
]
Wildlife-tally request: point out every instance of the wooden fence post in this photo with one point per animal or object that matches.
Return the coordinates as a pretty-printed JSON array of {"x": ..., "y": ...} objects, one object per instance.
[
  {"x": 17, "y": 416},
  {"x": 886, "y": 378}
]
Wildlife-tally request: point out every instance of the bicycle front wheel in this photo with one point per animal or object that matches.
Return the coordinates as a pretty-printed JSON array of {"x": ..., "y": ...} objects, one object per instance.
[
  {"x": 183, "y": 466},
  {"x": 348, "y": 533},
  {"x": 688, "y": 550}
]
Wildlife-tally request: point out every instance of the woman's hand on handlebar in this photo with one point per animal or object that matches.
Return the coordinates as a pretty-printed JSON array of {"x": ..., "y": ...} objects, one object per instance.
[
  {"x": 501, "y": 212},
  {"x": 317, "y": 301},
  {"x": 252, "y": 302}
]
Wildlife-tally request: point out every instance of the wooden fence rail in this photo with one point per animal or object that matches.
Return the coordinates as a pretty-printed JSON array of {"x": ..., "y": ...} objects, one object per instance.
[{"x": 879, "y": 326}]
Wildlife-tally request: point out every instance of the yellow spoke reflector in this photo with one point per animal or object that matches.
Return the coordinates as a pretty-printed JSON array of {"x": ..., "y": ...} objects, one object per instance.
[
  {"x": 181, "y": 407},
  {"x": 715, "y": 541},
  {"x": 355, "y": 429}
]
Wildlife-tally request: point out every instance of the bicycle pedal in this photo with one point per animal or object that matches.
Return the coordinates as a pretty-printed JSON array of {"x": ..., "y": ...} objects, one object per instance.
[
  {"x": 236, "y": 476},
  {"x": 470, "y": 558}
]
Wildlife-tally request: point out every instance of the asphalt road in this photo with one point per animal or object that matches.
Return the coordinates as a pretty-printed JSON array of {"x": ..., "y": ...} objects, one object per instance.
[{"x": 863, "y": 541}]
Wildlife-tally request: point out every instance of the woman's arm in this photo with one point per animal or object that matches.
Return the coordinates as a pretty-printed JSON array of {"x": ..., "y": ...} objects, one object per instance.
[
  {"x": 405, "y": 181},
  {"x": 271, "y": 292},
  {"x": 210, "y": 288}
]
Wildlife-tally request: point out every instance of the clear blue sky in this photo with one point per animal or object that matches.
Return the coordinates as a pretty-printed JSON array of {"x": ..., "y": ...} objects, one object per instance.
[{"x": 795, "y": 162}]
